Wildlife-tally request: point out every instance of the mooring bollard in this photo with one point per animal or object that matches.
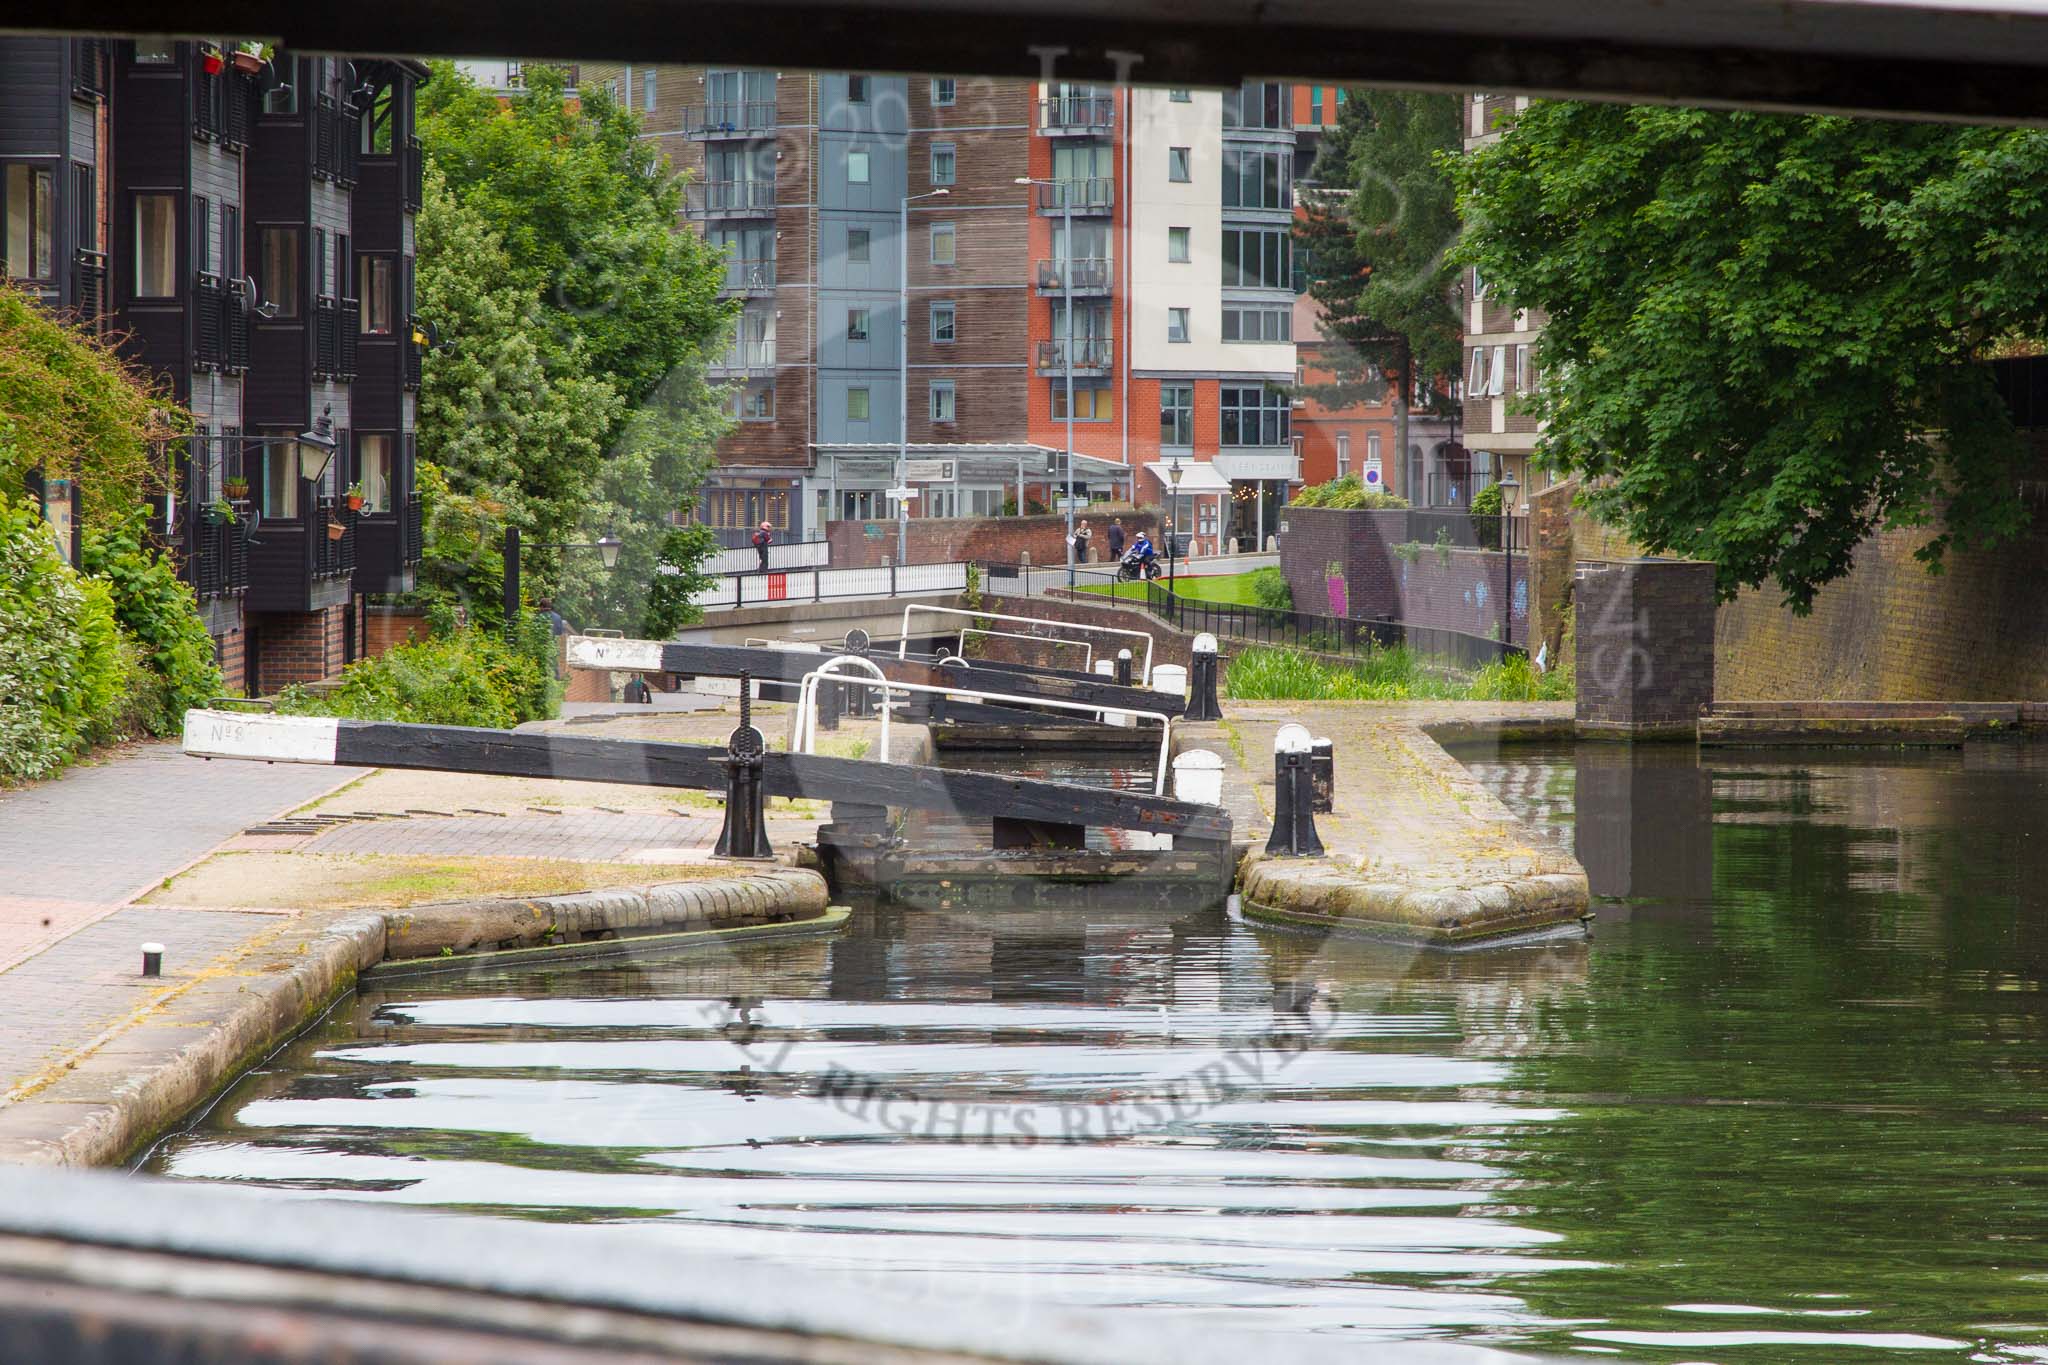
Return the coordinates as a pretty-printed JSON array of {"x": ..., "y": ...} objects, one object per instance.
[
  {"x": 1123, "y": 668},
  {"x": 1198, "y": 777},
  {"x": 745, "y": 833},
  {"x": 1294, "y": 822},
  {"x": 1202, "y": 704},
  {"x": 1170, "y": 680},
  {"x": 152, "y": 959},
  {"x": 1322, "y": 774}
]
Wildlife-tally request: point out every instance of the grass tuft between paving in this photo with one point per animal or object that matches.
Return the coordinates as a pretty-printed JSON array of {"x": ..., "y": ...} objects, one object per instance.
[{"x": 324, "y": 881}]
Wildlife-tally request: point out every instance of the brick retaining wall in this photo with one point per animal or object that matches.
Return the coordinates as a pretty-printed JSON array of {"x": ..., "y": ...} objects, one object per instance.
[{"x": 1344, "y": 563}]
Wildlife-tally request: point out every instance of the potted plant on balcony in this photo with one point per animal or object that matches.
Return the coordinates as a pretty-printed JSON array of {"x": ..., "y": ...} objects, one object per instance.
[
  {"x": 250, "y": 56},
  {"x": 236, "y": 487},
  {"x": 210, "y": 59},
  {"x": 335, "y": 530},
  {"x": 355, "y": 497},
  {"x": 220, "y": 512}
]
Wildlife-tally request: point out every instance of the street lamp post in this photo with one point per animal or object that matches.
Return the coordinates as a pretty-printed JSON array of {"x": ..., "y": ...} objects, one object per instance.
[
  {"x": 903, "y": 369},
  {"x": 1066, "y": 268},
  {"x": 1173, "y": 473},
  {"x": 606, "y": 545},
  {"x": 1508, "y": 489}
]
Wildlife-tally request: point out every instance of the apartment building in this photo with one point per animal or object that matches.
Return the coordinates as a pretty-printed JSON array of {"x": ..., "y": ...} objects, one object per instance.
[
  {"x": 243, "y": 221},
  {"x": 1499, "y": 345}
]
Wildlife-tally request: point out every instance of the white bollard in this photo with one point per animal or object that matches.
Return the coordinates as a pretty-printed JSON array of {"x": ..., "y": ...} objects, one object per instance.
[
  {"x": 1198, "y": 776},
  {"x": 1106, "y": 668},
  {"x": 1171, "y": 679}
]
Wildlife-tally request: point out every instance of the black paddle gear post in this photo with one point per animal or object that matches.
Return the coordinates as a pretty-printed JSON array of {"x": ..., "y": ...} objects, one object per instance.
[
  {"x": 745, "y": 834},
  {"x": 1123, "y": 668},
  {"x": 1202, "y": 704},
  {"x": 1294, "y": 821}
]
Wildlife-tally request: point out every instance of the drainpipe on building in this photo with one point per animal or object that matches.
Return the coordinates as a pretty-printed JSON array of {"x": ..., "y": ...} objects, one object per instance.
[{"x": 1123, "y": 268}]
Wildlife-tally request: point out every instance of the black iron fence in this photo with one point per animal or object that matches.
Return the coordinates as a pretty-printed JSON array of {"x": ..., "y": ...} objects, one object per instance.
[{"x": 1462, "y": 530}]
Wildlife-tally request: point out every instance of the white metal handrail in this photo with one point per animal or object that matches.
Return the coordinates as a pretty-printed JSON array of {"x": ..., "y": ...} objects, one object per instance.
[
  {"x": 1144, "y": 672},
  {"x": 1087, "y": 660},
  {"x": 807, "y": 706}
]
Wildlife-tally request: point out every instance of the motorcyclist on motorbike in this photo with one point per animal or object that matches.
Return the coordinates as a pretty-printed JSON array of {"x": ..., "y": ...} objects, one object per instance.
[{"x": 1142, "y": 551}]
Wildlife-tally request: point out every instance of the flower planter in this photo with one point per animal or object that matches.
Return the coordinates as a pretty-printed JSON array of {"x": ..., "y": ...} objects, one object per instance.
[
  {"x": 211, "y": 61},
  {"x": 335, "y": 530},
  {"x": 248, "y": 63},
  {"x": 236, "y": 488},
  {"x": 355, "y": 504}
]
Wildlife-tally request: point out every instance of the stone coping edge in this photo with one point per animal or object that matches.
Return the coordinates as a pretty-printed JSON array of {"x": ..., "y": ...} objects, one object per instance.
[
  {"x": 108, "y": 1101},
  {"x": 1329, "y": 893},
  {"x": 602, "y": 951}
]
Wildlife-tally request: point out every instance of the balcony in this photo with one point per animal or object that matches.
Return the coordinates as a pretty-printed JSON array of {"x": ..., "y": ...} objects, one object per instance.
[
  {"x": 749, "y": 277},
  {"x": 1076, "y": 116},
  {"x": 327, "y": 339},
  {"x": 333, "y": 557},
  {"x": 412, "y": 174},
  {"x": 1081, "y": 277},
  {"x": 214, "y": 554},
  {"x": 336, "y": 131},
  {"x": 351, "y": 324},
  {"x": 746, "y": 358},
  {"x": 235, "y": 327},
  {"x": 410, "y": 350},
  {"x": 1092, "y": 355},
  {"x": 89, "y": 287},
  {"x": 1092, "y": 197},
  {"x": 209, "y": 323},
  {"x": 731, "y": 199},
  {"x": 729, "y": 118},
  {"x": 91, "y": 60},
  {"x": 387, "y": 548}
]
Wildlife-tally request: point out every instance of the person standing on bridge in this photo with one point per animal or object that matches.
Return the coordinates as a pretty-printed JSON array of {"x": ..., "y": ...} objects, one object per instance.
[{"x": 763, "y": 538}]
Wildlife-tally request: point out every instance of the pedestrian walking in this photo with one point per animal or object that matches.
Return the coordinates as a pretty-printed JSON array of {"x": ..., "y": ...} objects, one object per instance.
[
  {"x": 1116, "y": 540},
  {"x": 1083, "y": 540},
  {"x": 763, "y": 538}
]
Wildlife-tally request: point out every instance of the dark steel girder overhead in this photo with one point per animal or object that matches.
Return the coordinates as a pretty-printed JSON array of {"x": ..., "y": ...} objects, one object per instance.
[{"x": 1980, "y": 60}]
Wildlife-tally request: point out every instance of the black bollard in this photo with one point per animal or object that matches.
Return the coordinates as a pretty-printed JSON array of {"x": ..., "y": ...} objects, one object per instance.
[
  {"x": 830, "y": 698},
  {"x": 1294, "y": 822},
  {"x": 745, "y": 833},
  {"x": 1202, "y": 703},
  {"x": 1123, "y": 668},
  {"x": 1322, "y": 770}
]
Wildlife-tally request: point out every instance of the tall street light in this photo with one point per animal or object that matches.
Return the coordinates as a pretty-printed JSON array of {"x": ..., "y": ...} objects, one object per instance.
[
  {"x": 1508, "y": 488},
  {"x": 1066, "y": 269},
  {"x": 607, "y": 546},
  {"x": 1173, "y": 473},
  {"x": 903, "y": 369}
]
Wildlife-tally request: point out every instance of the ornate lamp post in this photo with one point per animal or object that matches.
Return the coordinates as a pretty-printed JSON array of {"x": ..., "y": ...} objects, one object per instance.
[
  {"x": 1508, "y": 489},
  {"x": 1173, "y": 473}
]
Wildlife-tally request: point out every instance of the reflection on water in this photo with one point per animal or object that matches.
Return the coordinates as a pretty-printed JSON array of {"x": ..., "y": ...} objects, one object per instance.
[{"x": 1786, "y": 1105}]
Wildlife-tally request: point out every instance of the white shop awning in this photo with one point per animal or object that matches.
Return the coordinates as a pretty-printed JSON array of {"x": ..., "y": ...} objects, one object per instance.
[{"x": 1196, "y": 476}]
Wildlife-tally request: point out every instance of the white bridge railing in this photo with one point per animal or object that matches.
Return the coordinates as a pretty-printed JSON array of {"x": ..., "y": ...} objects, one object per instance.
[
  {"x": 824, "y": 585},
  {"x": 1044, "y": 630},
  {"x": 801, "y": 554}
]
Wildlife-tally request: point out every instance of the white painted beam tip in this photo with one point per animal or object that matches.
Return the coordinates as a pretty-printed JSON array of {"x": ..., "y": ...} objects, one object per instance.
[
  {"x": 273, "y": 739},
  {"x": 602, "y": 651}
]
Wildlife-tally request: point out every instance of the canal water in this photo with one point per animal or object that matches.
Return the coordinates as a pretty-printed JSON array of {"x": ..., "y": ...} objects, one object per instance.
[{"x": 1788, "y": 1103}]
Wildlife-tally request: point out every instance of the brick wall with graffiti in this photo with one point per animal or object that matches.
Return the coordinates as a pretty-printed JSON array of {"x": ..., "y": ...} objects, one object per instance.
[{"x": 1370, "y": 565}]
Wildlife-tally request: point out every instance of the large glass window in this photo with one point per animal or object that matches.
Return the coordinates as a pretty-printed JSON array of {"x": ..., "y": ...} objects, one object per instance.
[
  {"x": 1257, "y": 104},
  {"x": 156, "y": 246},
  {"x": 1090, "y": 404},
  {"x": 373, "y": 472},
  {"x": 1257, "y": 179},
  {"x": 1252, "y": 323},
  {"x": 280, "y": 464},
  {"x": 1257, "y": 258},
  {"x": 278, "y": 271},
  {"x": 31, "y": 223},
  {"x": 1254, "y": 415},
  {"x": 1176, "y": 414},
  {"x": 373, "y": 285}
]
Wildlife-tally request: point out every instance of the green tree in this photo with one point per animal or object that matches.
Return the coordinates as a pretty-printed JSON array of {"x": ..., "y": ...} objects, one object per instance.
[
  {"x": 1764, "y": 330},
  {"x": 1376, "y": 232}
]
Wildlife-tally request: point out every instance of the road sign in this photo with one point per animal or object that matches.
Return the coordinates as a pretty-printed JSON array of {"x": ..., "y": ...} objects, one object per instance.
[
  {"x": 901, "y": 494},
  {"x": 1372, "y": 471},
  {"x": 928, "y": 471}
]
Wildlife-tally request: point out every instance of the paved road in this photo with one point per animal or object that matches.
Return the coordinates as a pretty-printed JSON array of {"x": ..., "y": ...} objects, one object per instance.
[{"x": 73, "y": 850}]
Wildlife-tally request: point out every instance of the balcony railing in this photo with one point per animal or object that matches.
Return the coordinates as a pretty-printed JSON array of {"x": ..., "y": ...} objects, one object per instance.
[
  {"x": 410, "y": 349},
  {"x": 215, "y": 551},
  {"x": 89, "y": 287},
  {"x": 332, "y": 557},
  {"x": 412, "y": 531},
  {"x": 751, "y": 197},
  {"x": 412, "y": 174},
  {"x": 1094, "y": 195},
  {"x": 351, "y": 324},
  {"x": 210, "y": 106},
  {"x": 209, "y": 323},
  {"x": 1090, "y": 276},
  {"x": 729, "y": 118},
  {"x": 335, "y": 132},
  {"x": 1076, "y": 115},
  {"x": 90, "y": 63},
  {"x": 747, "y": 357},
  {"x": 335, "y": 322},
  {"x": 235, "y": 326},
  {"x": 1092, "y": 355},
  {"x": 749, "y": 277}
]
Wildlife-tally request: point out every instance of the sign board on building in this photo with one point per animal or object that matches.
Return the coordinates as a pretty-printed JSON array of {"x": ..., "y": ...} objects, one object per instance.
[
  {"x": 1373, "y": 478},
  {"x": 928, "y": 471},
  {"x": 901, "y": 494}
]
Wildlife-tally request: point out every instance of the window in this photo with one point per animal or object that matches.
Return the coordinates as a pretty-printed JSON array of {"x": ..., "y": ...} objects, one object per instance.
[
  {"x": 1315, "y": 105},
  {"x": 944, "y": 90},
  {"x": 1176, "y": 414},
  {"x": 1090, "y": 405},
  {"x": 857, "y": 246},
  {"x": 1257, "y": 179},
  {"x": 155, "y": 52},
  {"x": 373, "y": 472},
  {"x": 1177, "y": 165},
  {"x": 1254, "y": 415},
  {"x": 156, "y": 246},
  {"x": 856, "y": 405},
  {"x": 277, "y": 281},
  {"x": 856, "y": 89},
  {"x": 1522, "y": 367},
  {"x": 1177, "y": 244},
  {"x": 856, "y": 324},
  {"x": 755, "y": 402},
  {"x": 943, "y": 244},
  {"x": 856, "y": 168},
  {"x": 1257, "y": 324},
  {"x": 202, "y": 235},
  {"x": 230, "y": 242},
  {"x": 1181, "y": 96},
  {"x": 942, "y": 163},
  {"x": 647, "y": 92},
  {"x": 1480, "y": 288},
  {"x": 85, "y": 218},
  {"x": 943, "y": 320},
  {"x": 280, "y": 465},
  {"x": 1343, "y": 453},
  {"x": 1257, "y": 104},
  {"x": 942, "y": 400},
  {"x": 1257, "y": 258},
  {"x": 31, "y": 223},
  {"x": 1176, "y": 324},
  {"x": 1497, "y": 381}
]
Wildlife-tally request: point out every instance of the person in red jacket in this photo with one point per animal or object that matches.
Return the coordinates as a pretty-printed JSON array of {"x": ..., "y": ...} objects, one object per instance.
[{"x": 763, "y": 538}]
